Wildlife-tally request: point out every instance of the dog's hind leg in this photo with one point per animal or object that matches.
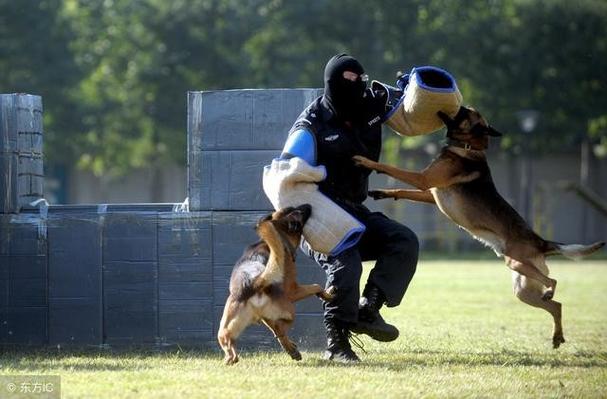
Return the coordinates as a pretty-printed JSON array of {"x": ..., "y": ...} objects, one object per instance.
[
  {"x": 529, "y": 270},
  {"x": 280, "y": 329},
  {"x": 236, "y": 317},
  {"x": 530, "y": 292}
]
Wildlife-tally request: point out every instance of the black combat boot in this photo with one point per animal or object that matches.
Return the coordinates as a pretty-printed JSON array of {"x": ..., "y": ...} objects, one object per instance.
[
  {"x": 338, "y": 343},
  {"x": 370, "y": 321}
]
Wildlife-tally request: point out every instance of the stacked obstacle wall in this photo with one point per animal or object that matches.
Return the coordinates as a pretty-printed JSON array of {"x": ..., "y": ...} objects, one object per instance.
[{"x": 142, "y": 274}]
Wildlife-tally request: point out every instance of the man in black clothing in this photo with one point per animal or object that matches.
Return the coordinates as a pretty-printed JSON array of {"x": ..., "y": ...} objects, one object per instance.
[{"x": 344, "y": 122}]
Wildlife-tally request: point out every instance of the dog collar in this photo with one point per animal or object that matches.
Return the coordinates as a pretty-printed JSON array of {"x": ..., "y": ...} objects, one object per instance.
[{"x": 461, "y": 144}]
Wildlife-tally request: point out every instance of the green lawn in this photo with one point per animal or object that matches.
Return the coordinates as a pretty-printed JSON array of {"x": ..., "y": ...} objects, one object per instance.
[{"x": 463, "y": 334}]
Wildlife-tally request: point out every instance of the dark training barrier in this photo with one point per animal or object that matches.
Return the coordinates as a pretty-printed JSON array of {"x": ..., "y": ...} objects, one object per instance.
[{"x": 143, "y": 274}]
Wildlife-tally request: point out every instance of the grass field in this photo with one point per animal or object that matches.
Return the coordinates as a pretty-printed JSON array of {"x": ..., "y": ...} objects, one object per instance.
[{"x": 463, "y": 334}]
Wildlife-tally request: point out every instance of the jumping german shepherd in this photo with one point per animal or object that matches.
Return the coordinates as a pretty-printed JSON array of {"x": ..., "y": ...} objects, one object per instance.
[
  {"x": 263, "y": 284},
  {"x": 459, "y": 182}
]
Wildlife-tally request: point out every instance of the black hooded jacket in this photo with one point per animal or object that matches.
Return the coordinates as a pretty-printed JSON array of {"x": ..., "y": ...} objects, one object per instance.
[{"x": 344, "y": 122}]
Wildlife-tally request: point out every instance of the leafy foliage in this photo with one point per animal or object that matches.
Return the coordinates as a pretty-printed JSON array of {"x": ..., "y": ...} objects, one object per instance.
[{"x": 114, "y": 73}]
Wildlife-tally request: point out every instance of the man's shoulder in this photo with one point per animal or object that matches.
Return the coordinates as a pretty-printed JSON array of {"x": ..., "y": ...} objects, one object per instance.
[{"x": 313, "y": 117}]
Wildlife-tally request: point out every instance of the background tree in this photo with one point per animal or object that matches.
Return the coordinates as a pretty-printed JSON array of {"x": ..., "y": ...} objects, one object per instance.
[{"x": 114, "y": 73}]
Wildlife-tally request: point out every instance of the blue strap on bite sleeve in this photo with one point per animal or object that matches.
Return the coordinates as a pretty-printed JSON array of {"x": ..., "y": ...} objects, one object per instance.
[
  {"x": 403, "y": 81},
  {"x": 300, "y": 144}
]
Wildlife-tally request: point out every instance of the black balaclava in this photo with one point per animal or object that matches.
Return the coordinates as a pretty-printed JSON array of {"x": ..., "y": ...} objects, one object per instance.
[{"x": 344, "y": 95}]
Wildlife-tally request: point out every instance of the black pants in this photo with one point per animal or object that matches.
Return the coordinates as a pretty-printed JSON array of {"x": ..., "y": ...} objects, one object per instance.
[{"x": 394, "y": 247}]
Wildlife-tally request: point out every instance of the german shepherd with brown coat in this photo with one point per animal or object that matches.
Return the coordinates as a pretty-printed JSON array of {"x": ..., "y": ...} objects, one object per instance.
[
  {"x": 263, "y": 285},
  {"x": 459, "y": 182}
]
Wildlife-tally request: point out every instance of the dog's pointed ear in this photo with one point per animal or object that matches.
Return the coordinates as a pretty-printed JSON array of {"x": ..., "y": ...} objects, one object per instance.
[
  {"x": 492, "y": 132},
  {"x": 445, "y": 118}
]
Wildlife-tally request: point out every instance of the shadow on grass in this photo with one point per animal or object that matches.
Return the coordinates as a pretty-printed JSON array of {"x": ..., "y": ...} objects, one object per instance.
[
  {"x": 109, "y": 360},
  {"x": 506, "y": 358},
  {"x": 96, "y": 359}
]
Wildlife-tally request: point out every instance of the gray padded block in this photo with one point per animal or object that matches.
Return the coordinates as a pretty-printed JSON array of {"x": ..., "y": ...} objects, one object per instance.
[
  {"x": 28, "y": 112},
  {"x": 130, "y": 301},
  {"x": 4, "y": 292},
  {"x": 20, "y": 134},
  {"x": 228, "y": 180},
  {"x": 184, "y": 238},
  {"x": 23, "y": 267},
  {"x": 184, "y": 290},
  {"x": 9, "y": 195},
  {"x": 4, "y": 265},
  {"x": 138, "y": 208},
  {"x": 23, "y": 325},
  {"x": 30, "y": 188},
  {"x": 185, "y": 275},
  {"x": 74, "y": 255},
  {"x": 75, "y": 321},
  {"x": 26, "y": 234},
  {"x": 4, "y": 261},
  {"x": 129, "y": 327},
  {"x": 27, "y": 292},
  {"x": 232, "y": 233},
  {"x": 130, "y": 277},
  {"x": 186, "y": 320},
  {"x": 75, "y": 306},
  {"x": 18, "y": 113},
  {"x": 31, "y": 164},
  {"x": 244, "y": 119},
  {"x": 5, "y": 237},
  {"x": 130, "y": 236},
  {"x": 30, "y": 141},
  {"x": 185, "y": 270},
  {"x": 175, "y": 270},
  {"x": 27, "y": 283},
  {"x": 5, "y": 220},
  {"x": 8, "y": 123}
]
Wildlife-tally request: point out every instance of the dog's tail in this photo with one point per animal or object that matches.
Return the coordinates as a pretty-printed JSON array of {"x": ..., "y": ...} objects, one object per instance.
[
  {"x": 274, "y": 271},
  {"x": 573, "y": 251}
]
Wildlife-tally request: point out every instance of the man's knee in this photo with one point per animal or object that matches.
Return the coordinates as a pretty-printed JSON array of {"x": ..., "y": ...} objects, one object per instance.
[{"x": 405, "y": 240}]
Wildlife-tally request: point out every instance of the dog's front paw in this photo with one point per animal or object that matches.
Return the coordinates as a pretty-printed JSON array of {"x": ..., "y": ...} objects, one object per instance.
[
  {"x": 557, "y": 340},
  {"x": 330, "y": 293},
  {"x": 295, "y": 355},
  {"x": 230, "y": 360},
  {"x": 293, "y": 351},
  {"x": 359, "y": 160},
  {"x": 379, "y": 194}
]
